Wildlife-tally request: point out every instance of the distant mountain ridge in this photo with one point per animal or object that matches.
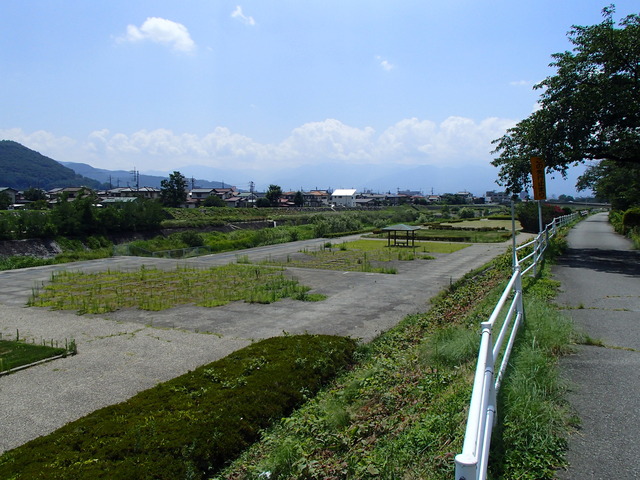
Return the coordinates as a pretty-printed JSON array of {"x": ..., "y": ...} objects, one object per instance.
[
  {"x": 123, "y": 178},
  {"x": 22, "y": 168}
]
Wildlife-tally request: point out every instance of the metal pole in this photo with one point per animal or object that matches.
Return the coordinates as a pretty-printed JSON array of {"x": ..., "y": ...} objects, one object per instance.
[
  {"x": 539, "y": 216},
  {"x": 513, "y": 234}
]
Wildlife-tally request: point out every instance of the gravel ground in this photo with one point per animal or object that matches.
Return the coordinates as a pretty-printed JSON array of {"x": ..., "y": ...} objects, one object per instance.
[{"x": 115, "y": 361}]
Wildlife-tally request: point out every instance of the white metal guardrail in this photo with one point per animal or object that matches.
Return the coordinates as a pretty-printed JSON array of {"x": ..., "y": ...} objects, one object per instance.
[{"x": 472, "y": 463}]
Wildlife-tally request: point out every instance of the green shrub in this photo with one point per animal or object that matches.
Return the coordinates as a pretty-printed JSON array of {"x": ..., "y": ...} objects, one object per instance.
[
  {"x": 192, "y": 239},
  {"x": 527, "y": 214},
  {"x": 615, "y": 218},
  {"x": 466, "y": 212},
  {"x": 631, "y": 219},
  {"x": 23, "y": 261},
  {"x": 191, "y": 426}
]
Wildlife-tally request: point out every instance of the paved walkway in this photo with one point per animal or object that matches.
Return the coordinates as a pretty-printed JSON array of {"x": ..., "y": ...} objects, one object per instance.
[
  {"x": 600, "y": 276},
  {"x": 127, "y": 351}
]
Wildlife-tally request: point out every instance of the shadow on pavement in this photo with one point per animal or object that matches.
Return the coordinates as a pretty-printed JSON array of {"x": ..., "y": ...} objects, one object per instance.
[{"x": 608, "y": 261}]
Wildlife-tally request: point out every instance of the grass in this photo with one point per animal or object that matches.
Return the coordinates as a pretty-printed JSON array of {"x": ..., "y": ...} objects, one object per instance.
[
  {"x": 534, "y": 418},
  {"x": 401, "y": 412},
  {"x": 485, "y": 223},
  {"x": 361, "y": 256},
  {"x": 190, "y": 426},
  {"x": 453, "y": 235},
  {"x": 429, "y": 247},
  {"x": 17, "y": 353},
  {"x": 153, "y": 289}
]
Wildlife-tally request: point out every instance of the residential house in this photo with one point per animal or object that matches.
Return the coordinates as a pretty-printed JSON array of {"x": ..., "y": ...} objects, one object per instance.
[
  {"x": 11, "y": 192},
  {"x": 316, "y": 198},
  {"x": 144, "y": 192},
  {"x": 345, "y": 197},
  {"x": 225, "y": 193},
  {"x": 199, "y": 195},
  {"x": 71, "y": 192},
  {"x": 497, "y": 197},
  {"x": 465, "y": 196}
]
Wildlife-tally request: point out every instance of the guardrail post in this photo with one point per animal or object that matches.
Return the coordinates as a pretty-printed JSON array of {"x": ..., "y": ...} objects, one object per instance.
[
  {"x": 536, "y": 242},
  {"x": 514, "y": 243},
  {"x": 466, "y": 467},
  {"x": 518, "y": 289}
]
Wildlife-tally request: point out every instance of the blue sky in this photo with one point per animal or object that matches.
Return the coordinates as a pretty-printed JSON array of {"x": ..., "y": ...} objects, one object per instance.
[{"x": 264, "y": 86}]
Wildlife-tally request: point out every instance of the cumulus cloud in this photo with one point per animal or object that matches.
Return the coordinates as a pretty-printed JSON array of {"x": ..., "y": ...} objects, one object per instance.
[
  {"x": 385, "y": 64},
  {"x": 162, "y": 31},
  {"x": 41, "y": 141},
  {"x": 239, "y": 15},
  {"x": 330, "y": 139},
  {"x": 456, "y": 141}
]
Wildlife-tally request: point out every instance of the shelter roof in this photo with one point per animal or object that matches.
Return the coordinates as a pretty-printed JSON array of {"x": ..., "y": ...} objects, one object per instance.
[{"x": 401, "y": 227}]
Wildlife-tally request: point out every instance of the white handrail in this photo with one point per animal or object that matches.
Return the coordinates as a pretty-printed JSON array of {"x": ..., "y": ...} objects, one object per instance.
[{"x": 472, "y": 463}]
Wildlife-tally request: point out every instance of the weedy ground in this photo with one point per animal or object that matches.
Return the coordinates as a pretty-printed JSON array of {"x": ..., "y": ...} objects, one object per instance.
[
  {"x": 154, "y": 289},
  {"x": 364, "y": 255},
  {"x": 401, "y": 413}
]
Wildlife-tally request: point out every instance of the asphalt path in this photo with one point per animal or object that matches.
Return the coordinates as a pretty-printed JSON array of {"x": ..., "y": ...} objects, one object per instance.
[
  {"x": 124, "y": 352},
  {"x": 600, "y": 277}
]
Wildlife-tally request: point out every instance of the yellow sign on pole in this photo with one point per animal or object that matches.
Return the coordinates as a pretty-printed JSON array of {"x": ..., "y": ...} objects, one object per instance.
[{"x": 537, "y": 174}]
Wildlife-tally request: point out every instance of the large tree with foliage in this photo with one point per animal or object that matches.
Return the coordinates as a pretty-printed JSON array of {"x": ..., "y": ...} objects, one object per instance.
[
  {"x": 173, "y": 192},
  {"x": 589, "y": 110},
  {"x": 273, "y": 194}
]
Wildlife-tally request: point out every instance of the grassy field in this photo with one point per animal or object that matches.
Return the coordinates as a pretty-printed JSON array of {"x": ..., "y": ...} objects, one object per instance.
[
  {"x": 363, "y": 256},
  {"x": 16, "y": 354},
  {"x": 153, "y": 289},
  {"x": 485, "y": 223}
]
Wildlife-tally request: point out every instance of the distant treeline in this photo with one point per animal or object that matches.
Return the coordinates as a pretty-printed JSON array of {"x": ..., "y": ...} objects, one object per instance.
[{"x": 80, "y": 218}]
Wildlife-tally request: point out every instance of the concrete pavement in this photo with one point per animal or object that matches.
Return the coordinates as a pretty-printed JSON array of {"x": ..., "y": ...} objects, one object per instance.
[
  {"x": 127, "y": 351},
  {"x": 600, "y": 277}
]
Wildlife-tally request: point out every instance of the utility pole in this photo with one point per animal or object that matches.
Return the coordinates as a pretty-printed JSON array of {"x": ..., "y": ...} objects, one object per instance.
[{"x": 136, "y": 178}]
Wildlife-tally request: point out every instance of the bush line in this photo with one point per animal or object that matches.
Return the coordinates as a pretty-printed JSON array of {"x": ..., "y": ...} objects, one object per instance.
[{"x": 191, "y": 426}]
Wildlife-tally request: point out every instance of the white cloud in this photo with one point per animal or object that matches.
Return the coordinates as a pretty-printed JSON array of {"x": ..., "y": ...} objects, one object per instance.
[
  {"x": 456, "y": 141},
  {"x": 162, "y": 31},
  {"x": 330, "y": 139},
  {"x": 385, "y": 64},
  {"x": 521, "y": 83},
  {"x": 238, "y": 14},
  {"x": 41, "y": 141}
]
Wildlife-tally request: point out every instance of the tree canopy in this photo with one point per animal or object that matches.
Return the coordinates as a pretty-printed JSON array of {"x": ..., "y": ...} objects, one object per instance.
[
  {"x": 173, "y": 192},
  {"x": 273, "y": 194},
  {"x": 589, "y": 110}
]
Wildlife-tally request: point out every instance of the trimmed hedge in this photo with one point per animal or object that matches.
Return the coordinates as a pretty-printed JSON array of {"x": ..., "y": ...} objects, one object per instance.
[{"x": 191, "y": 426}]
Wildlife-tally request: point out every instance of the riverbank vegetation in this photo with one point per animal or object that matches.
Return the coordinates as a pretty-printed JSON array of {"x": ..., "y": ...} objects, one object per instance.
[
  {"x": 401, "y": 412},
  {"x": 627, "y": 223}
]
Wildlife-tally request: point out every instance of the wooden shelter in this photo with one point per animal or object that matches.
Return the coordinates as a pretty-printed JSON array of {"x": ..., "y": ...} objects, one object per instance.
[{"x": 403, "y": 235}]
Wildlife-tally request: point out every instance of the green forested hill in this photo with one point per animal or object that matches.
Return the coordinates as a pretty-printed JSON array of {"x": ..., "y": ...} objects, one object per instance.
[{"x": 22, "y": 168}]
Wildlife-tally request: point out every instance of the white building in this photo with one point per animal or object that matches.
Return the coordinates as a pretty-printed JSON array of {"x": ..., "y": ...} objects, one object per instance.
[{"x": 345, "y": 197}]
